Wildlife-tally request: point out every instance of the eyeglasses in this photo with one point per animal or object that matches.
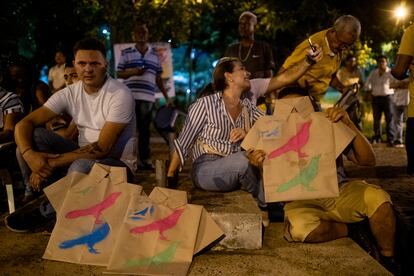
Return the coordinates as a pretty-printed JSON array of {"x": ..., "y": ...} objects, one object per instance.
[{"x": 342, "y": 44}]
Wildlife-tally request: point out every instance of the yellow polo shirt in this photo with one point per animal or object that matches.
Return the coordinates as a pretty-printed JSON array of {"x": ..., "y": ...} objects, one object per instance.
[
  {"x": 407, "y": 48},
  {"x": 320, "y": 74}
]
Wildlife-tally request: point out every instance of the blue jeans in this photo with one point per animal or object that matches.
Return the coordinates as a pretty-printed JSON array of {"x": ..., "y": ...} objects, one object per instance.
[
  {"x": 398, "y": 121},
  {"x": 48, "y": 141},
  {"x": 382, "y": 104},
  {"x": 143, "y": 111},
  {"x": 224, "y": 174}
]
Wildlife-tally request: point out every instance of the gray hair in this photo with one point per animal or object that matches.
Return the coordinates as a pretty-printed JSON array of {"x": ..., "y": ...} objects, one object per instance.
[
  {"x": 349, "y": 24},
  {"x": 249, "y": 14}
]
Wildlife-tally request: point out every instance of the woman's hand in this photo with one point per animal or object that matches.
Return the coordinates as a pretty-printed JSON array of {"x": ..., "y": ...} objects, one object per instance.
[
  {"x": 237, "y": 134},
  {"x": 256, "y": 157}
]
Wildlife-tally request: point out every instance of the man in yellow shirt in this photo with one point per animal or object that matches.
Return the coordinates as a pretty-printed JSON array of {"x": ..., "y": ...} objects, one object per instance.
[
  {"x": 341, "y": 36},
  {"x": 403, "y": 62}
]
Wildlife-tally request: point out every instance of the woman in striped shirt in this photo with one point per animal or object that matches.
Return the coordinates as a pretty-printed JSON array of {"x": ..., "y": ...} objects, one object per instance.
[{"x": 216, "y": 125}]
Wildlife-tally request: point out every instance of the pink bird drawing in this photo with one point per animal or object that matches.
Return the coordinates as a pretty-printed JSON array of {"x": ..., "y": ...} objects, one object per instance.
[
  {"x": 295, "y": 143},
  {"x": 161, "y": 225},
  {"x": 95, "y": 210}
]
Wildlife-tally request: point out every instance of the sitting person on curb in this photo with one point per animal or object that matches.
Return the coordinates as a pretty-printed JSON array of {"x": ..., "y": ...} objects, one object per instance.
[
  {"x": 216, "y": 125},
  {"x": 11, "y": 109},
  {"x": 103, "y": 110},
  {"x": 321, "y": 220},
  {"x": 61, "y": 125}
]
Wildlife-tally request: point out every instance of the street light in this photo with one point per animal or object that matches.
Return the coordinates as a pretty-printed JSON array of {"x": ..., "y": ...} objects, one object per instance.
[{"x": 400, "y": 12}]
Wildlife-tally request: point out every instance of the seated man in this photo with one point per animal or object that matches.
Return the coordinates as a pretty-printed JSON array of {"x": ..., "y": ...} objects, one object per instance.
[
  {"x": 11, "y": 110},
  {"x": 103, "y": 110},
  {"x": 61, "y": 125},
  {"x": 321, "y": 220}
]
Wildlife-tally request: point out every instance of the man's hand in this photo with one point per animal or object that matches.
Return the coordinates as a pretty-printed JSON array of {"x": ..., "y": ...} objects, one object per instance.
[
  {"x": 316, "y": 55},
  {"x": 36, "y": 181},
  {"x": 39, "y": 162},
  {"x": 334, "y": 114},
  {"x": 256, "y": 157},
  {"x": 237, "y": 134},
  {"x": 138, "y": 71}
]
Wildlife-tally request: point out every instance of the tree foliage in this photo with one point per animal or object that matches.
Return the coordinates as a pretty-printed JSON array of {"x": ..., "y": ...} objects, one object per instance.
[{"x": 36, "y": 28}]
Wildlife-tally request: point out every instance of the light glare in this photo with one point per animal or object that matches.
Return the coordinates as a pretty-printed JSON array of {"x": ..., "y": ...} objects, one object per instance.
[{"x": 400, "y": 12}]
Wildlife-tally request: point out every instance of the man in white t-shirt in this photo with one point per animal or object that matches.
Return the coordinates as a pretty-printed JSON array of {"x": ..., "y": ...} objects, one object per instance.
[
  {"x": 101, "y": 107},
  {"x": 55, "y": 76}
]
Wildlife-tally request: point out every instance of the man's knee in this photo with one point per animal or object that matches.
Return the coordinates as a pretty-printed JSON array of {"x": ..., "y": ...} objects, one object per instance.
[
  {"x": 81, "y": 165},
  {"x": 300, "y": 226},
  {"x": 374, "y": 198},
  {"x": 40, "y": 135}
]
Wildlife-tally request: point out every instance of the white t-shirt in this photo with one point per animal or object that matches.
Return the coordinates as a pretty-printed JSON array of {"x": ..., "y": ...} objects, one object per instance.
[
  {"x": 112, "y": 103},
  {"x": 380, "y": 84},
  {"x": 258, "y": 87},
  {"x": 56, "y": 75}
]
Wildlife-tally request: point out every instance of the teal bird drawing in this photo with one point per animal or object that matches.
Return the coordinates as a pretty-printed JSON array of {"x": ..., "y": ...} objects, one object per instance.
[{"x": 304, "y": 178}]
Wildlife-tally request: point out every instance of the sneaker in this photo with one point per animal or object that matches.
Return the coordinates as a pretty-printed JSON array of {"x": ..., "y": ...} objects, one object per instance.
[
  {"x": 397, "y": 145},
  {"x": 35, "y": 216},
  {"x": 391, "y": 265},
  {"x": 146, "y": 166},
  {"x": 375, "y": 140}
]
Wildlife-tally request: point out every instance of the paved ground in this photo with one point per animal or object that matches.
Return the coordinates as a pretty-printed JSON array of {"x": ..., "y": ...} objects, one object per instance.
[
  {"x": 21, "y": 254},
  {"x": 390, "y": 173}
]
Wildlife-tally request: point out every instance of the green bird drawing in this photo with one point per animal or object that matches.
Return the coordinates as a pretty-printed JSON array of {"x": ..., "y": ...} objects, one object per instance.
[
  {"x": 165, "y": 256},
  {"x": 305, "y": 176}
]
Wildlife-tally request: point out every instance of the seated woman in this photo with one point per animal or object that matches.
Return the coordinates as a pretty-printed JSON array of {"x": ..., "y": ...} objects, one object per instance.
[{"x": 216, "y": 125}]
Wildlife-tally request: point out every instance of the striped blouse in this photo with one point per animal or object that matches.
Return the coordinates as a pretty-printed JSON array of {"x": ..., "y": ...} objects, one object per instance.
[
  {"x": 209, "y": 123},
  {"x": 9, "y": 103}
]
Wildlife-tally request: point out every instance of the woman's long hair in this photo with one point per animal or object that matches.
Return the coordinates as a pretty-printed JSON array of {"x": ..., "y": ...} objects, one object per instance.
[{"x": 225, "y": 64}]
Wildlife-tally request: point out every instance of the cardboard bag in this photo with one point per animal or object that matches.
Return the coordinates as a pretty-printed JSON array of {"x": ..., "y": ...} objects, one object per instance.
[
  {"x": 301, "y": 146},
  {"x": 90, "y": 209},
  {"x": 160, "y": 235}
]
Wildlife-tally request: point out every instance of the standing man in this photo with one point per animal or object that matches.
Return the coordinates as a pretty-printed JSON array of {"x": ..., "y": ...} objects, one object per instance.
[
  {"x": 341, "y": 36},
  {"x": 400, "y": 105},
  {"x": 141, "y": 68},
  {"x": 378, "y": 82},
  {"x": 255, "y": 55},
  {"x": 403, "y": 62},
  {"x": 55, "y": 77},
  {"x": 350, "y": 73}
]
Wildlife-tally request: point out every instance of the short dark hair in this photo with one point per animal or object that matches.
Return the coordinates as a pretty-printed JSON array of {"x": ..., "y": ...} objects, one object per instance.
[
  {"x": 300, "y": 91},
  {"x": 287, "y": 90},
  {"x": 89, "y": 44},
  {"x": 381, "y": 57},
  {"x": 69, "y": 64}
]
